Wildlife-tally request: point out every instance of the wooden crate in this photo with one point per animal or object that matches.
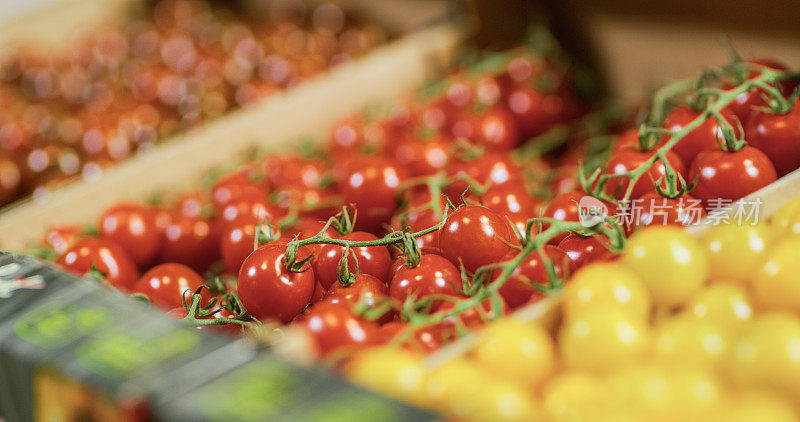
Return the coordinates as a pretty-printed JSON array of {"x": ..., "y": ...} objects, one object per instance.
[{"x": 308, "y": 110}]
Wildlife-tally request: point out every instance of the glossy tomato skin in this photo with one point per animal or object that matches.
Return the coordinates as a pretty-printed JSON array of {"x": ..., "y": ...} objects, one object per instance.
[
  {"x": 61, "y": 238},
  {"x": 498, "y": 129},
  {"x": 133, "y": 227},
  {"x": 512, "y": 202},
  {"x": 434, "y": 275},
  {"x": 334, "y": 326},
  {"x": 517, "y": 290},
  {"x": 372, "y": 185},
  {"x": 536, "y": 111},
  {"x": 106, "y": 256},
  {"x": 583, "y": 249},
  {"x": 237, "y": 241},
  {"x": 249, "y": 204},
  {"x": 416, "y": 219},
  {"x": 365, "y": 289},
  {"x": 730, "y": 175},
  {"x": 292, "y": 170},
  {"x": 777, "y": 136},
  {"x": 746, "y": 103},
  {"x": 347, "y": 136},
  {"x": 423, "y": 157},
  {"x": 492, "y": 167},
  {"x": 475, "y": 236},
  {"x": 268, "y": 290},
  {"x": 231, "y": 187},
  {"x": 372, "y": 260},
  {"x": 627, "y": 159},
  {"x": 703, "y": 138},
  {"x": 191, "y": 241},
  {"x": 166, "y": 284}
]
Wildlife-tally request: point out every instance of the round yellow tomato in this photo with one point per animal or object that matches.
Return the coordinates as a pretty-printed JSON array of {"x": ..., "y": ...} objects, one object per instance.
[
  {"x": 757, "y": 405},
  {"x": 687, "y": 340},
  {"x": 735, "y": 251},
  {"x": 522, "y": 352},
  {"x": 606, "y": 283},
  {"x": 505, "y": 401},
  {"x": 767, "y": 353},
  {"x": 787, "y": 220},
  {"x": 602, "y": 337},
  {"x": 776, "y": 285},
  {"x": 671, "y": 263},
  {"x": 725, "y": 305},
  {"x": 573, "y": 395},
  {"x": 456, "y": 386},
  {"x": 396, "y": 372}
]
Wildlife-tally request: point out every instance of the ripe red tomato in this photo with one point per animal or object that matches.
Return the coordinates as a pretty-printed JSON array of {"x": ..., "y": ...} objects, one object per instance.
[
  {"x": 106, "y": 256},
  {"x": 166, "y": 284},
  {"x": 703, "y": 138},
  {"x": 746, "y": 103},
  {"x": 423, "y": 157},
  {"x": 372, "y": 185},
  {"x": 192, "y": 204},
  {"x": 475, "y": 236},
  {"x": 498, "y": 129},
  {"x": 347, "y": 136},
  {"x": 430, "y": 338},
  {"x": 654, "y": 209},
  {"x": 491, "y": 167},
  {"x": 627, "y": 159},
  {"x": 564, "y": 207},
  {"x": 517, "y": 290},
  {"x": 231, "y": 187},
  {"x": 268, "y": 290},
  {"x": 250, "y": 204},
  {"x": 536, "y": 111},
  {"x": 777, "y": 136},
  {"x": 10, "y": 180},
  {"x": 335, "y": 327},
  {"x": 473, "y": 317},
  {"x": 583, "y": 249},
  {"x": 730, "y": 175},
  {"x": 61, "y": 238},
  {"x": 512, "y": 202},
  {"x": 133, "y": 227},
  {"x": 372, "y": 260},
  {"x": 190, "y": 241},
  {"x": 365, "y": 289},
  {"x": 237, "y": 241},
  {"x": 284, "y": 170},
  {"x": 434, "y": 275},
  {"x": 416, "y": 220}
]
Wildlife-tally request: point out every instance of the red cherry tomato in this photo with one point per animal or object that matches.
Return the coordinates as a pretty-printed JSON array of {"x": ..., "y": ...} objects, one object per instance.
[
  {"x": 777, "y": 136},
  {"x": 563, "y": 207},
  {"x": 423, "y": 157},
  {"x": 166, "y": 284},
  {"x": 655, "y": 210},
  {"x": 517, "y": 290},
  {"x": 372, "y": 185},
  {"x": 430, "y": 338},
  {"x": 417, "y": 219},
  {"x": 61, "y": 238},
  {"x": 746, "y": 103},
  {"x": 190, "y": 241},
  {"x": 498, "y": 129},
  {"x": 474, "y": 317},
  {"x": 347, "y": 136},
  {"x": 366, "y": 289},
  {"x": 249, "y": 204},
  {"x": 268, "y": 290},
  {"x": 730, "y": 175},
  {"x": 335, "y": 327},
  {"x": 475, "y": 236},
  {"x": 512, "y": 202},
  {"x": 284, "y": 170},
  {"x": 627, "y": 159},
  {"x": 703, "y": 138},
  {"x": 133, "y": 227},
  {"x": 237, "y": 241},
  {"x": 583, "y": 249},
  {"x": 231, "y": 187},
  {"x": 105, "y": 256},
  {"x": 372, "y": 260},
  {"x": 536, "y": 111},
  {"x": 491, "y": 167},
  {"x": 434, "y": 275}
]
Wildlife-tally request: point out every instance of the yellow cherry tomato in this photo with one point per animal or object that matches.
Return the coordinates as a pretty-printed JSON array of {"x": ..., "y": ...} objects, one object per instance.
[
  {"x": 602, "y": 337},
  {"x": 683, "y": 339},
  {"x": 776, "y": 284},
  {"x": 522, "y": 352},
  {"x": 396, "y": 372},
  {"x": 573, "y": 395},
  {"x": 606, "y": 283},
  {"x": 725, "y": 305},
  {"x": 735, "y": 251},
  {"x": 767, "y": 353},
  {"x": 757, "y": 405},
  {"x": 671, "y": 263},
  {"x": 505, "y": 401},
  {"x": 786, "y": 221},
  {"x": 456, "y": 386}
]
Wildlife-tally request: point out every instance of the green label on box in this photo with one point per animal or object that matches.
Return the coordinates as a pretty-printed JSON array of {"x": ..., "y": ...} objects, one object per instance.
[{"x": 58, "y": 324}]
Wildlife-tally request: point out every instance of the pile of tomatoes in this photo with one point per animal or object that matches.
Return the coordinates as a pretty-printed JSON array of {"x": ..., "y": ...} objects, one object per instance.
[
  {"x": 679, "y": 328},
  {"x": 121, "y": 88},
  {"x": 425, "y": 221}
]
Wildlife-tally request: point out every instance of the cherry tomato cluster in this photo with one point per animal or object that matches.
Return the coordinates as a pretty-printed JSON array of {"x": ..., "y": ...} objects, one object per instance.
[
  {"x": 680, "y": 328},
  {"x": 122, "y": 88}
]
